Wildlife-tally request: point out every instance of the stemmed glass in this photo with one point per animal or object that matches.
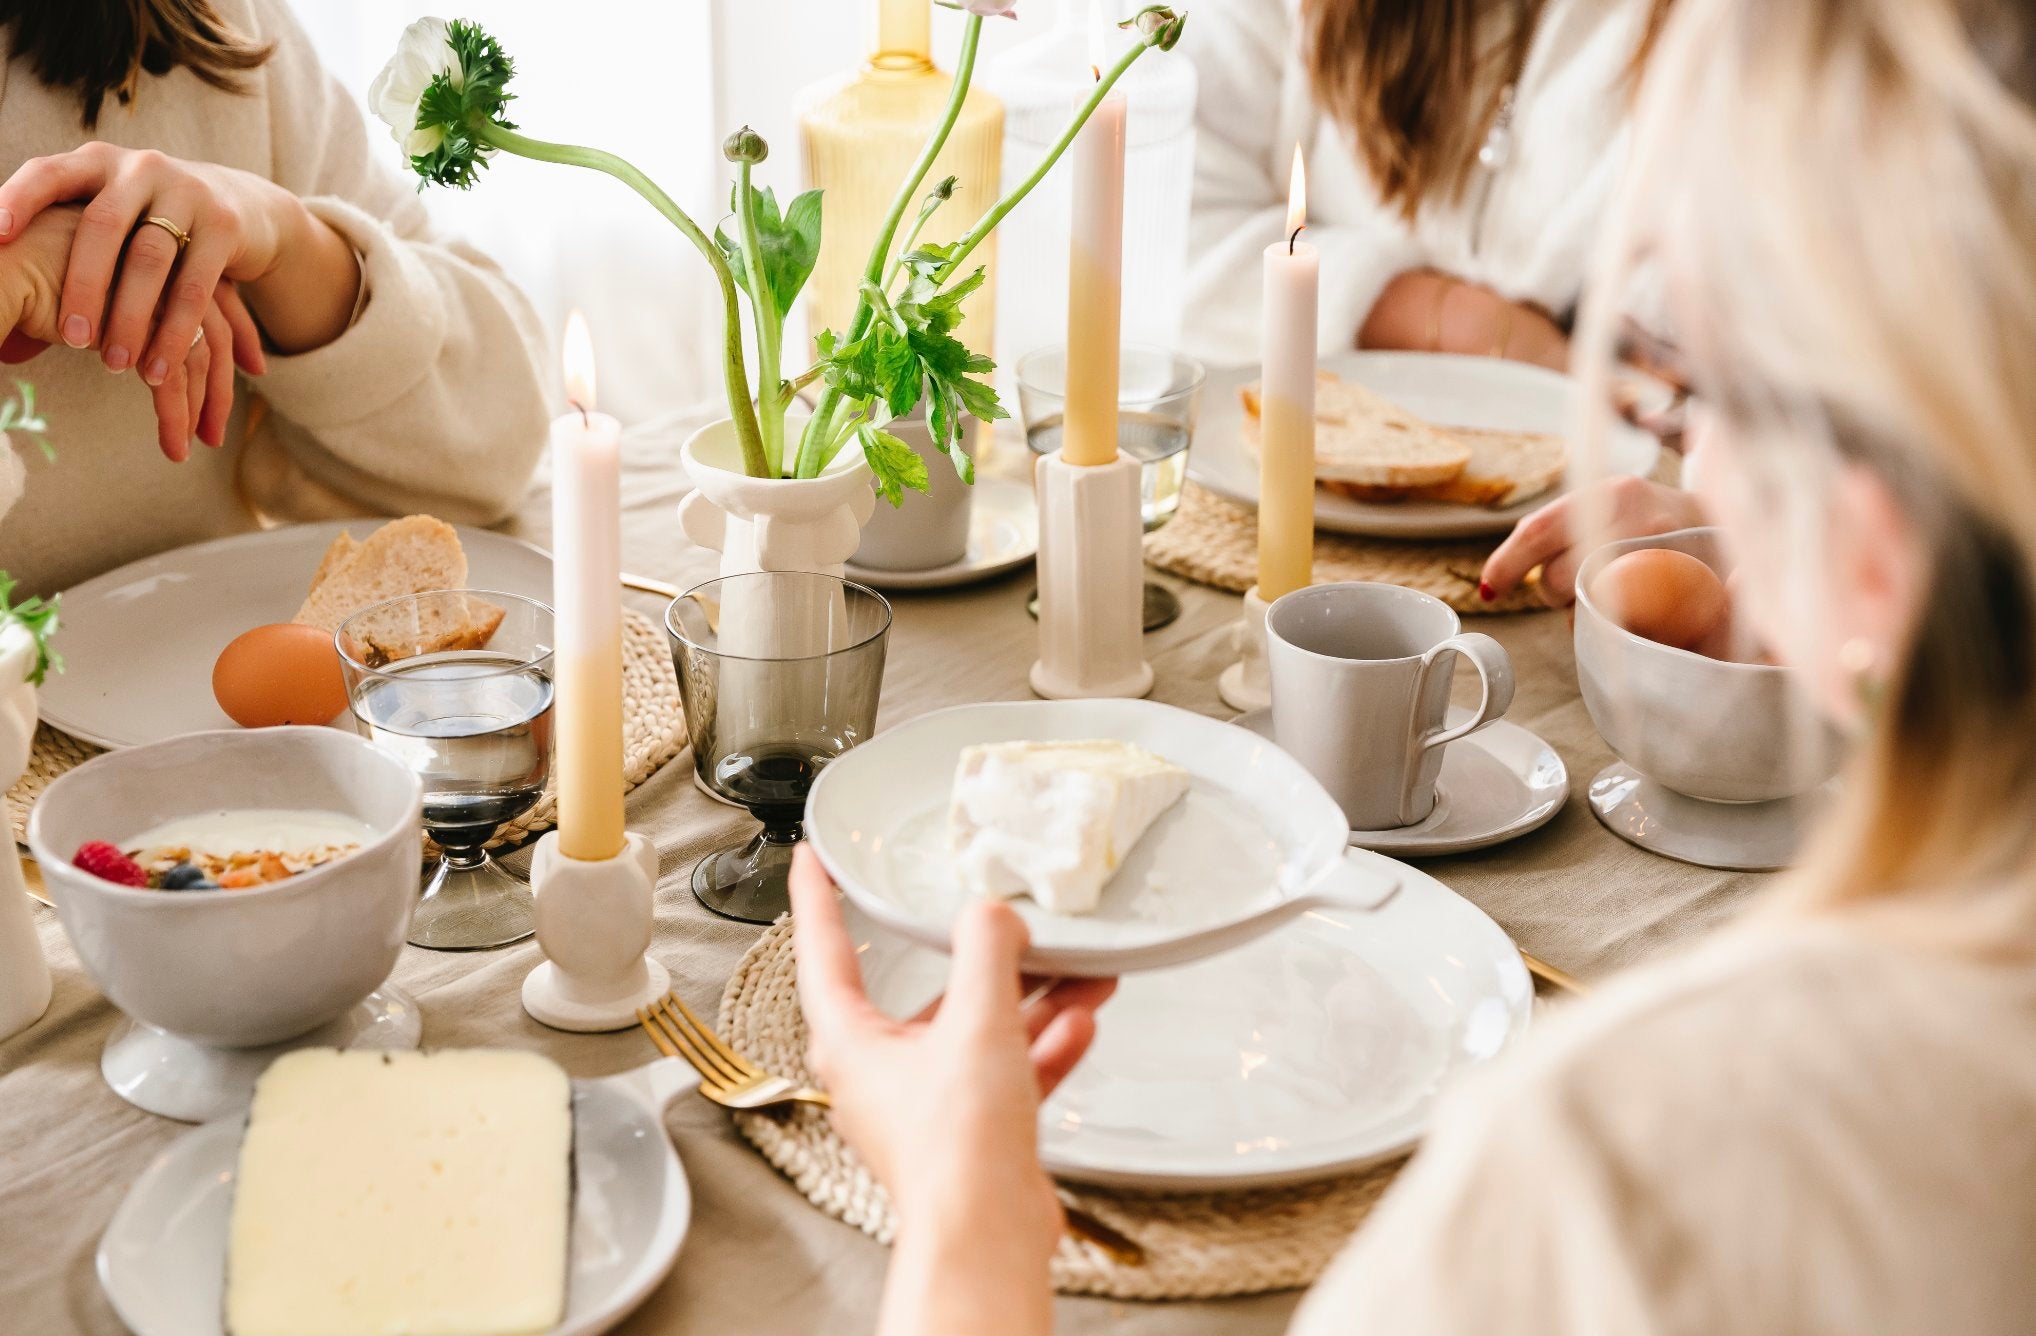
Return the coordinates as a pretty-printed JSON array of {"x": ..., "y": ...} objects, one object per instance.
[
  {"x": 779, "y": 672},
  {"x": 1159, "y": 396},
  {"x": 473, "y": 720}
]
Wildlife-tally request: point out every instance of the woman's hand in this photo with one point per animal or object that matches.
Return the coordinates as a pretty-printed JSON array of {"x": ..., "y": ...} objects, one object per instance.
[
  {"x": 196, "y": 395},
  {"x": 1630, "y": 508},
  {"x": 1426, "y": 310},
  {"x": 944, "y": 1109},
  {"x": 140, "y": 296}
]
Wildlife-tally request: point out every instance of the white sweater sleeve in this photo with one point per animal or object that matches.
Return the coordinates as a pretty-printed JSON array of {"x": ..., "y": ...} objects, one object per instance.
[
  {"x": 436, "y": 398},
  {"x": 1255, "y": 106}
]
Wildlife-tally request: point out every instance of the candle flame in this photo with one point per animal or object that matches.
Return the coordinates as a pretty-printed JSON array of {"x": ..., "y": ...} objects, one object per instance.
[
  {"x": 1297, "y": 194},
  {"x": 578, "y": 356}
]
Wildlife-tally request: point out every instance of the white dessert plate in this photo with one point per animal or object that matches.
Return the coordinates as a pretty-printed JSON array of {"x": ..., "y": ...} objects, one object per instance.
[
  {"x": 1739, "y": 837},
  {"x": 1315, "y": 1050},
  {"x": 1254, "y": 843},
  {"x": 139, "y": 642},
  {"x": 162, "y": 1260},
  {"x": 1445, "y": 388},
  {"x": 1003, "y": 535},
  {"x": 1496, "y": 785}
]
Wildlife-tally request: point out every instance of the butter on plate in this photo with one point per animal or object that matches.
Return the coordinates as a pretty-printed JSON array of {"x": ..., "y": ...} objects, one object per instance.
[
  {"x": 402, "y": 1192},
  {"x": 1055, "y": 820}
]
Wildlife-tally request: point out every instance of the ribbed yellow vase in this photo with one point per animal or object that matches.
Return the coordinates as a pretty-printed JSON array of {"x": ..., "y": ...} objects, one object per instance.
[{"x": 863, "y": 131}]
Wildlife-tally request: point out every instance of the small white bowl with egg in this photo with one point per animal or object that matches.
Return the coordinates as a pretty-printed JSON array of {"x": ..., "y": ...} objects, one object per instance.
[
  {"x": 216, "y": 978},
  {"x": 1719, "y": 757}
]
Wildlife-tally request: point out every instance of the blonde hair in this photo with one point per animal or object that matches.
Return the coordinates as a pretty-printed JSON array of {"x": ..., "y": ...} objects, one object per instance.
[{"x": 1840, "y": 196}]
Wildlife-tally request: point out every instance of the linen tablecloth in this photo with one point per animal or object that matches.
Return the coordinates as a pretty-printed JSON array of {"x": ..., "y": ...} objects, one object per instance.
[{"x": 759, "y": 1258}]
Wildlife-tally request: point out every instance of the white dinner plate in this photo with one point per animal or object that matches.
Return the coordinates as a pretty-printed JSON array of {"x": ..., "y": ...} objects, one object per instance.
[
  {"x": 1255, "y": 841},
  {"x": 1003, "y": 535},
  {"x": 139, "y": 642},
  {"x": 1445, "y": 388},
  {"x": 162, "y": 1261},
  {"x": 1315, "y": 1050}
]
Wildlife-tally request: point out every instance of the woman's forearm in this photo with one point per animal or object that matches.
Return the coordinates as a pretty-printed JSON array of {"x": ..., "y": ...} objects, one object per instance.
[
  {"x": 981, "y": 1281},
  {"x": 1428, "y": 311},
  {"x": 307, "y": 297}
]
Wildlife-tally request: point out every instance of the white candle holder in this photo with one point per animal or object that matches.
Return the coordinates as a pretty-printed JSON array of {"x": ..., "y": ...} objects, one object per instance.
[
  {"x": 1247, "y": 684},
  {"x": 594, "y": 924},
  {"x": 1091, "y": 581}
]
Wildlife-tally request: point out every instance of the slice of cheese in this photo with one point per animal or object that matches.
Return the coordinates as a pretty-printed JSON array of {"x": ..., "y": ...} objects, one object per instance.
[
  {"x": 427, "y": 1194},
  {"x": 1055, "y": 820}
]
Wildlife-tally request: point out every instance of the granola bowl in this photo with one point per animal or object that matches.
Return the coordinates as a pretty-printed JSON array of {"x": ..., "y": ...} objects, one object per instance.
[{"x": 237, "y": 969}]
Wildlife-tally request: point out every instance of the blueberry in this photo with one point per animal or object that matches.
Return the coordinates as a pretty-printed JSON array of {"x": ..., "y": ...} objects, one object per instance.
[{"x": 188, "y": 877}]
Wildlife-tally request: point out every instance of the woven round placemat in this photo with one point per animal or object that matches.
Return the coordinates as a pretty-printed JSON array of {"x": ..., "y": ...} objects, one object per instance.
[
  {"x": 654, "y": 731},
  {"x": 1199, "y": 1245},
  {"x": 1215, "y": 542}
]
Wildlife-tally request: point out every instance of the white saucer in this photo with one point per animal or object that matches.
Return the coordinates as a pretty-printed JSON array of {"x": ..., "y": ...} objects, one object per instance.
[
  {"x": 1003, "y": 535},
  {"x": 162, "y": 1260},
  {"x": 1496, "y": 785},
  {"x": 196, "y": 1083},
  {"x": 1315, "y": 1050},
  {"x": 1737, "y": 837}
]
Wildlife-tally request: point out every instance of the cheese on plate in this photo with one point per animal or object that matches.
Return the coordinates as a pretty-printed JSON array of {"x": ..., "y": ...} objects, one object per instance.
[
  {"x": 1055, "y": 820},
  {"x": 419, "y": 1193}
]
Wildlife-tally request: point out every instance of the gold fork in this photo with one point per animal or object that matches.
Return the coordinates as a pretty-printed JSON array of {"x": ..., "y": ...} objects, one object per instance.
[{"x": 733, "y": 1081}]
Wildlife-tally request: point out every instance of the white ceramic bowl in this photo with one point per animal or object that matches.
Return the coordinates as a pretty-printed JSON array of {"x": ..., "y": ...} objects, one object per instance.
[
  {"x": 243, "y": 968},
  {"x": 1722, "y": 732}
]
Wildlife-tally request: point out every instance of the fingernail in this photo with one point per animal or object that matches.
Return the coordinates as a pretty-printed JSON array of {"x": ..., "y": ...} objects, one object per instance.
[
  {"x": 117, "y": 359},
  {"x": 77, "y": 331},
  {"x": 155, "y": 371},
  {"x": 1486, "y": 592},
  {"x": 6, "y": 222}
]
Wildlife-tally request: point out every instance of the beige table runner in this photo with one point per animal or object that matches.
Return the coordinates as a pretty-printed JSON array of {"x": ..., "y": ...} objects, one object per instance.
[{"x": 760, "y": 1259}]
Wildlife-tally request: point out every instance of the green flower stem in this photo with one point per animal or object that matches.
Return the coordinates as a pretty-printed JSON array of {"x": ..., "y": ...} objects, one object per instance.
[
  {"x": 763, "y": 304},
  {"x": 926, "y": 211},
  {"x": 815, "y": 447},
  {"x": 988, "y": 223},
  {"x": 735, "y": 372}
]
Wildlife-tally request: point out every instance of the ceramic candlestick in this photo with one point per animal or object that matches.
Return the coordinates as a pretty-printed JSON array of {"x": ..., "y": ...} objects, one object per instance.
[
  {"x": 594, "y": 924},
  {"x": 24, "y": 974},
  {"x": 1091, "y": 581},
  {"x": 1247, "y": 685}
]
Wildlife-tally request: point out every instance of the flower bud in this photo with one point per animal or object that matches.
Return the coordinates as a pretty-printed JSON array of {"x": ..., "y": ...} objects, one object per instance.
[
  {"x": 1157, "y": 26},
  {"x": 745, "y": 145}
]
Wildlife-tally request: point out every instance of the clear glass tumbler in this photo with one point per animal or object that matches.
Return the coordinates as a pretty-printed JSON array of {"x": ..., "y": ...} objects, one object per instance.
[
  {"x": 780, "y": 673},
  {"x": 1159, "y": 399},
  {"x": 458, "y": 685}
]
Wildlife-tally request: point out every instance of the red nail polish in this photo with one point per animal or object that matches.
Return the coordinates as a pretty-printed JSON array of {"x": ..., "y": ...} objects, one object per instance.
[{"x": 1486, "y": 592}]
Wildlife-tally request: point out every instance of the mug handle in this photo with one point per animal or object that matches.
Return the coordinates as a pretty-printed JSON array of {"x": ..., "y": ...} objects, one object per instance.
[{"x": 1495, "y": 673}]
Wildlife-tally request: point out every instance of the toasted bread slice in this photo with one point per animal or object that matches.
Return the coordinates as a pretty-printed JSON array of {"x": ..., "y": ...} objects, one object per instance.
[
  {"x": 1368, "y": 442},
  {"x": 1505, "y": 468},
  {"x": 414, "y": 555}
]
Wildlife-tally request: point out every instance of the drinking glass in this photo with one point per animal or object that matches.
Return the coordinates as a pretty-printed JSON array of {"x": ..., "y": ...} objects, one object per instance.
[
  {"x": 779, "y": 672},
  {"x": 474, "y": 723},
  {"x": 1159, "y": 395}
]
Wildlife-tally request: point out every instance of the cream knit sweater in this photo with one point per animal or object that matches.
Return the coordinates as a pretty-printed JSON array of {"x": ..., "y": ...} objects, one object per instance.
[{"x": 434, "y": 401}]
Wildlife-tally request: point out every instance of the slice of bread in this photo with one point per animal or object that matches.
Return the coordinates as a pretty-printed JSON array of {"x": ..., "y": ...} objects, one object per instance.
[
  {"x": 414, "y": 555},
  {"x": 1366, "y": 441},
  {"x": 1505, "y": 468}
]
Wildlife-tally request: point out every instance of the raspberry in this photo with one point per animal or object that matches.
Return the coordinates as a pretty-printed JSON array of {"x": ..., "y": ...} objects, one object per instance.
[{"x": 104, "y": 861}]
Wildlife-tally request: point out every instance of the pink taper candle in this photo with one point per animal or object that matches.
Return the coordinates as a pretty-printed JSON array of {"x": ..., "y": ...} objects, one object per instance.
[
  {"x": 586, "y": 520},
  {"x": 1286, "y": 487},
  {"x": 1095, "y": 280}
]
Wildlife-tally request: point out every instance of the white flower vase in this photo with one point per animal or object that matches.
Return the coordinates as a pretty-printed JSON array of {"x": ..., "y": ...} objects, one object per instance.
[
  {"x": 24, "y": 974},
  {"x": 773, "y": 524},
  {"x": 928, "y": 529}
]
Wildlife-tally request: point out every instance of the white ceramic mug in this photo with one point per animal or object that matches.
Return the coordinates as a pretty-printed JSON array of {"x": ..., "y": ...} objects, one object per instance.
[{"x": 1360, "y": 693}]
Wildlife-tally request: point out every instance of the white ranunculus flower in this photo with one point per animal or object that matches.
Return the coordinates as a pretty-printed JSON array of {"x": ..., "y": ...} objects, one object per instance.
[
  {"x": 992, "y": 9},
  {"x": 422, "y": 55}
]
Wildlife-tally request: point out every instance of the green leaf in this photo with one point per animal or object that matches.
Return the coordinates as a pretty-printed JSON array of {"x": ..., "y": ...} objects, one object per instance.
[
  {"x": 790, "y": 242},
  {"x": 18, "y": 416},
  {"x": 39, "y": 617},
  {"x": 895, "y": 465}
]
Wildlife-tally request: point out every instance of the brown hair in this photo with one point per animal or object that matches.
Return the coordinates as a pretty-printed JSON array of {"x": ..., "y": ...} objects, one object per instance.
[
  {"x": 97, "y": 47},
  {"x": 1418, "y": 82}
]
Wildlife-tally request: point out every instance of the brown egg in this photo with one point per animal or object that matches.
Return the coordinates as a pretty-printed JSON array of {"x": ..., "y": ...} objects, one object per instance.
[
  {"x": 1665, "y": 596},
  {"x": 280, "y": 674}
]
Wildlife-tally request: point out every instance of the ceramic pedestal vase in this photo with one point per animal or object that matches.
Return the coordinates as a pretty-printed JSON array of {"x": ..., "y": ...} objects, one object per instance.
[
  {"x": 24, "y": 974},
  {"x": 929, "y": 529},
  {"x": 773, "y": 524}
]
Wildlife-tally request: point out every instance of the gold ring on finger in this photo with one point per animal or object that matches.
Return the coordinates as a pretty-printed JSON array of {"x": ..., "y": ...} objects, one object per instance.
[{"x": 157, "y": 220}]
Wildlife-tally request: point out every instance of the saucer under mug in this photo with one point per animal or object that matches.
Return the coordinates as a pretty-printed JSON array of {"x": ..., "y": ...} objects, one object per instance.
[{"x": 1497, "y": 784}]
